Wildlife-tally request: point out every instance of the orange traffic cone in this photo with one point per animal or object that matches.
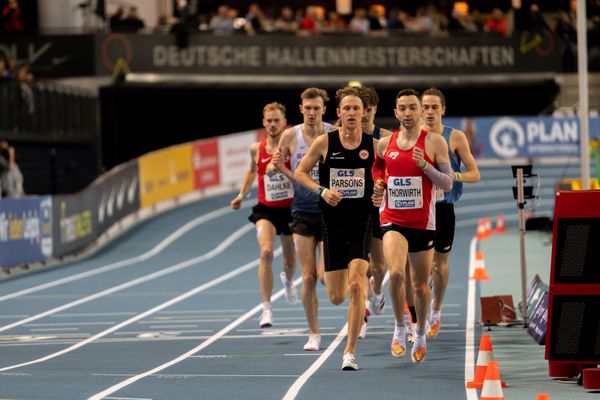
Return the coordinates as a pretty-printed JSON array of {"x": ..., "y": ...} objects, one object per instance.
[
  {"x": 542, "y": 396},
  {"x": 488, "y": 227},
  {"x": 485, "y": 355},
  {"x": 480, "y": 273},
  {"x": 492, "y": 386},
  {"x": 480, "y": 230},
  {"x": 500, "y": 228}
]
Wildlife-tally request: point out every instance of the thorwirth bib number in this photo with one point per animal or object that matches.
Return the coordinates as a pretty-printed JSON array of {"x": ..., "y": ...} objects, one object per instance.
[
  {"x": 348, "y": 182},
  {"x": 405, "y": 193},
  {"x": 278, "y": 187}
]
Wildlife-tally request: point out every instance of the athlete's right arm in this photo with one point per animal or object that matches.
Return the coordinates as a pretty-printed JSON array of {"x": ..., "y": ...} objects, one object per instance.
[
  {"x": 282, "y": 154},
  {"x": 249, "y": 177},
  {"x": 316, "y": 152},
  {"x": 378, "y": 172}
]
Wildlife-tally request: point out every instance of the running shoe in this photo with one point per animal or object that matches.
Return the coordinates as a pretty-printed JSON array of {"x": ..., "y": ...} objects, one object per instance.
[
  {"x": 398, "y": 346},
  {"x": 412, "y": 332},
  {"x": 417, "y": 353},
  {"x": 266, "y": 319},
  {"x": 376, "y": 302},
  {"x": 291, "y": 294},
  {"x": 349, "y": 362},
  {"x": 313, "y": 343},
  {"x": 363, "y": 330},
  {"x": 435, "y": 322}
]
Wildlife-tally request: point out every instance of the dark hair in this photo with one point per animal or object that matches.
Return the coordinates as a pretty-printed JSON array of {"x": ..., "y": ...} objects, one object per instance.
[
  {"x": 433, "y": 91},
  {"x": 352, "y": 91},
  {"x": 407, "y": 92},
  {"x": 371, "y": 96}
]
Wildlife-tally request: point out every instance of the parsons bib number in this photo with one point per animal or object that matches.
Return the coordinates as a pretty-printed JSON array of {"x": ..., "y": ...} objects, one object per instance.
[
  {"x": 350, "y": 183},
  {"x": 404, "y": 193},
  {"x": 278, "y": 187}
]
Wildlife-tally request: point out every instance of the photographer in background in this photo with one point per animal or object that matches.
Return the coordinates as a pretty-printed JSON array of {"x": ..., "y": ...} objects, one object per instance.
[{"x": 11, "y": 179}]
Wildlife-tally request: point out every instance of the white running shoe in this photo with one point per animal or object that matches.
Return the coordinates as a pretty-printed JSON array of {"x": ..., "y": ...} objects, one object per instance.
[
  {"x": 313, "y": 343},
  {"x": 398, "y": 345},
  {"x": 349, "y": 362},
  {"x": 266, "y": 319},
  {"x": 363, "y": 330},
  {"x": 434, "y": 322},
  {"x": 412, "y": 331},
  {"x": 376, "y": 302},
  {"x": 291, "y": 294}
]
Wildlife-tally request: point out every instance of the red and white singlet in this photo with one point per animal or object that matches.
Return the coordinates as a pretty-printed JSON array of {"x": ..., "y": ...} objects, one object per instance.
[{"x": 276, "y": 190}]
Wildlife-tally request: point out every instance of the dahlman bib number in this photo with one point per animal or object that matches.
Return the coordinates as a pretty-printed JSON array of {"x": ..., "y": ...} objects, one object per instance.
[
  {"x": 350, "y": 183},
  {"x": 278, "y": 187},
  {"x": 404, "y": 193}
]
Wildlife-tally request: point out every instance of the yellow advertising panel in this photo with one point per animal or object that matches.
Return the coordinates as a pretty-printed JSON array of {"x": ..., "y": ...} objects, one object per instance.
[{"x": 165, "y": 174}]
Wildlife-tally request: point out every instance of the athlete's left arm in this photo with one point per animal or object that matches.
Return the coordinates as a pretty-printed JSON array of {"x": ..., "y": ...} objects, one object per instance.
[
  {"x": 437, "y": 149},
  {"x": 462, "y": 148}
]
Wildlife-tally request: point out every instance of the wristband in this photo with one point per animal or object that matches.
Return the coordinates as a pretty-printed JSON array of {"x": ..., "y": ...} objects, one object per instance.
[
  {"x": 425, "y": 166},
  {"x": 240, "y": 197},
  {"x": 323, "y": 193},
  {"x": 458, "y": 177}
]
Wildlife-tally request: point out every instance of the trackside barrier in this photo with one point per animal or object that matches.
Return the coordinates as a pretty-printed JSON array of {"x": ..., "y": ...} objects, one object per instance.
[{"x": 37, "y": 231}]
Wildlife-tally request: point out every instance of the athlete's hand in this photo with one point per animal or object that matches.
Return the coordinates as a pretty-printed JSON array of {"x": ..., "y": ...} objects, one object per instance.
[
  {"x": 271, "y": 169},
  {"x": 418, "y": 156},
  {"x": 236, "y": 203},
  {"x": 332, "y": 197},
  {"x": 276, "y": 159},
  {"x": 377, "y": 196}
]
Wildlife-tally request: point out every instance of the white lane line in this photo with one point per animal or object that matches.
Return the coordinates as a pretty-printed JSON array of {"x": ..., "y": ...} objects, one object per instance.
[
  {"x": 53, "y": 329},
  {"x": 128, "y": 398},
  {"x": 175, "y": 332},
  {"x": 171, "y": 321},
  {"x": 77, "y": 315},
  {"x": 224, "y": 311},
  {"x": 295, "y": 388},
  {"x": 470, "y": 325},
  {"x": 174, "y": 268},
  {"x": 177, "y": 376},
  {"x": 13, "y": 316},
  {"x": 308, "y": 353},
  {"x": 171, "y": 326},
  {"x": 201, "y": 346},
  {"x": 123, "y": 263},
  {"x": 227, "y": 242},
  {"x": 72, "y": 323}
]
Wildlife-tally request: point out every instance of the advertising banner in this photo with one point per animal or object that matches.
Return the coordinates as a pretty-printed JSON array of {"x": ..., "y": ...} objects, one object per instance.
[
  {"x": 25, "y": 230},
  {"x": 205, "y": 160},
  {"x": 347, "y": 54},
  {"x": 539, "y": 320},
  {"x": 74, "y": 219},
  {"x": 165, "y": 174},
  {"x": 52, "y": 56},
  {"x": 234, "y": 156},
  {"x": 117, "y": 194},
  {"x": 516, "y": 137}
]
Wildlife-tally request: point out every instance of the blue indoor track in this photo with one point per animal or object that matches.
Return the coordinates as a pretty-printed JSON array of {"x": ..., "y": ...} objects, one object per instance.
[{"x": 173, "y": 314}]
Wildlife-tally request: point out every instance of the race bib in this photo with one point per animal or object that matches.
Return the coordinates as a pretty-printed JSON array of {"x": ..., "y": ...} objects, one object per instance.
[
  {"x": 314, "y": 173},
  {"x": 439, "y": 194},
  {"x": 350, "y": 183},
  {"x": 405, "y": 193},
  {"x": 278, "y": 187}
]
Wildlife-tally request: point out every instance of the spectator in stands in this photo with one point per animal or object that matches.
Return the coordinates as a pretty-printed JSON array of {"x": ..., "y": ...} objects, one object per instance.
[
  {"x": 254, "y": 20},
  {"x": 359, "y": 22},
  {"x": 496, "y": 23},
  {"x": 424, "y": 22},
  {"x": 394, "y": 21},
  {"x": 377, "y": 21},
  {"x": 335, "y": 23},
  {"x": 116, "y": 20},
  {"x": 11, "y": 179},
  {"x": 459, "y": 25},
  {"x": 132, "y": 22},
  {"x": 11, "y": 18},
  {"x": 568, "y": 39},
  {"x": 181, "y": 10},
  {"x": 536, "y": 22},
  {"x": 309, "y": 21},
  {"x": 221, "y": 24},
  {"x": 286, "y": 21}
]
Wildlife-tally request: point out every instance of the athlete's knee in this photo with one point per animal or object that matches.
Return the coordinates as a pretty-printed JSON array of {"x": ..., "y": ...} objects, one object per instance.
[
  {"x": 266, "y": 254},
  {"x": 397, "y": 277},
  {"x": 420, "y": 288},
  {"x": 309, "y": 280},
  {"x": 337, "y": 298}
]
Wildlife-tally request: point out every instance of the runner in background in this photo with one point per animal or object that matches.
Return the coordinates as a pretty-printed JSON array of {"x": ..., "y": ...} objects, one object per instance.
[
  {"x": 433, "y": 106},
  {"x": 272, "y": 214}
]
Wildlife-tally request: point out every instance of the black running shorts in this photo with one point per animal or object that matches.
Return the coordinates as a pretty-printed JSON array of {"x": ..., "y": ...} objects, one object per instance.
[
  {"x": 418, "y": 239},
  {"x": 279, "y": 217},
  {"x": 445, "y": 223},
  {"x": 306, "y": 224}
]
